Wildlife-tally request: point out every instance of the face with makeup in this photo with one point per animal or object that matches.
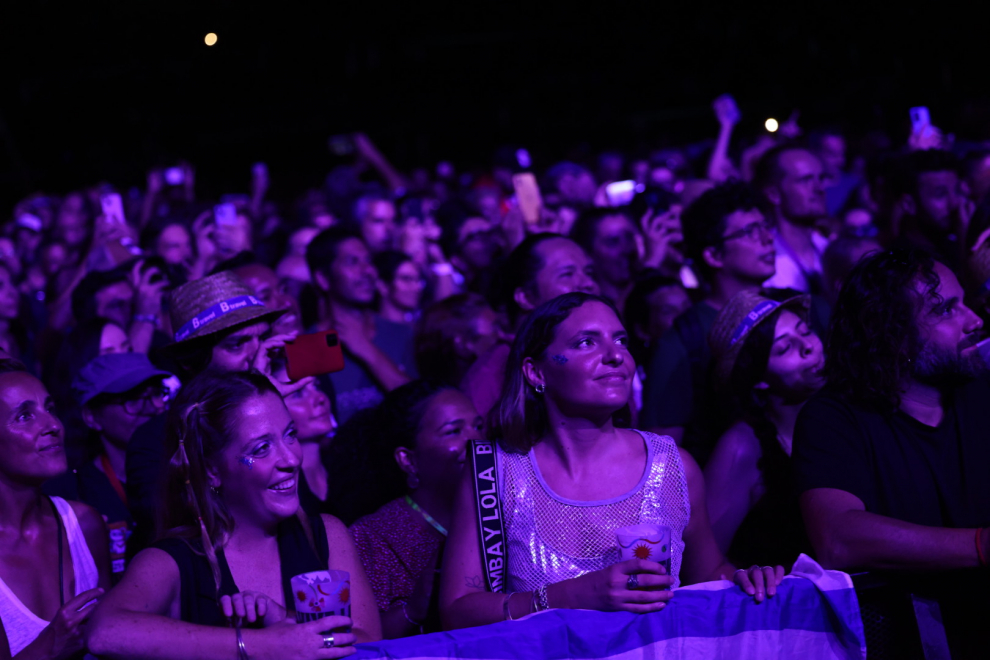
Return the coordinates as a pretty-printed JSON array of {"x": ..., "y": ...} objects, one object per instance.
[
  {"x": 257, "y": 473},
  {"x": 794, "y": 370},
  {"x": 587, "y": 369}
]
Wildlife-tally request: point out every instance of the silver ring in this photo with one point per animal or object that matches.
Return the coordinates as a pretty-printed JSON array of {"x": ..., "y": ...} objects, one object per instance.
[
  {"x": 633, "y": 582},
  {"x": 328, "y": 641}
]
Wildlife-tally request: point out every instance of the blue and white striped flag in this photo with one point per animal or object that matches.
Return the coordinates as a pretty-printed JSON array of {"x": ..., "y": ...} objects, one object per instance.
[{"x": 814, "y": 616}]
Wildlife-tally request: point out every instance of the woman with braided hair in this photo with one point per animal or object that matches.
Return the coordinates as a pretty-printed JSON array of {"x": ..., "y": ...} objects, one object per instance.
[
  {"x": 231, "y": 535},
  {"x": 769, "y": 362}
]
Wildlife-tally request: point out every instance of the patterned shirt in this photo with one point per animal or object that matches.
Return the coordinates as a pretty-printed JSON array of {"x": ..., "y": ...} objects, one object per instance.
[{"x": 395, "y": 548}]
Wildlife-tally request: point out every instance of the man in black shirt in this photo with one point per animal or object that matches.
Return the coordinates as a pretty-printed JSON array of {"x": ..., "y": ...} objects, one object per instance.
[
  {"x": 892, "y": 458},
  {"x": 731, "y": 246}
]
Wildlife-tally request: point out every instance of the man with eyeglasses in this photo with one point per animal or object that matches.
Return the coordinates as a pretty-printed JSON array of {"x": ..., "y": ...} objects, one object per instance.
[
  {"x": 118, "y": 393},
  {"x": 730, "y": 244}
]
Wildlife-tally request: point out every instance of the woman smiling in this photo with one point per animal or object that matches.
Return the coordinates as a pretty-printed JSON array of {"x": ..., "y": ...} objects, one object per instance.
[
  {"x": 231, "y": 540},
  {"x": 568, "y": 478}
]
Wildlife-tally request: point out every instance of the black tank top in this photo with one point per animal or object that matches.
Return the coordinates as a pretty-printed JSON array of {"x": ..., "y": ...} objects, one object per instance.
[{"x": 198, "y": 593}]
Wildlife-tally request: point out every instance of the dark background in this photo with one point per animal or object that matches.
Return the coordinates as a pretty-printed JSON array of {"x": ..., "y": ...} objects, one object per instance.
[{"x": 103, "y": 90}]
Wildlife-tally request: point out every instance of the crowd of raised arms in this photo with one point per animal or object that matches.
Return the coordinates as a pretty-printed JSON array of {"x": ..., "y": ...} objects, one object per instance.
[{"x": 771, "y": 348}]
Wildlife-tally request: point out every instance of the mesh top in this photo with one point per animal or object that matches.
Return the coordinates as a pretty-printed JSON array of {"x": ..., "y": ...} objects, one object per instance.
[{"x": 551, "y": 538}]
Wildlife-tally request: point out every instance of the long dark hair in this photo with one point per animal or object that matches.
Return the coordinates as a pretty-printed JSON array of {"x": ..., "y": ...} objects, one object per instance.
[
  {"x": 873, "y": 337},
  {"x": 364, "y": 474},
  {"x": 751, "y": 368},
  {"x": 519, "y": 419},
  {"x": 199, "y": 427}
]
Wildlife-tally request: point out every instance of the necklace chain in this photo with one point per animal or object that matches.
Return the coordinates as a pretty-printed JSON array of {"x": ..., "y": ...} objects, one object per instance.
[{"x": 427, "y": 517}]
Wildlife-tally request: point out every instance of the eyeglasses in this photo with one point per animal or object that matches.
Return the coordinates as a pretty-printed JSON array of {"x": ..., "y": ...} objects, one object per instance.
[
  {"x": 754, "y": 231},
  {"x": 153, "y": 399}
]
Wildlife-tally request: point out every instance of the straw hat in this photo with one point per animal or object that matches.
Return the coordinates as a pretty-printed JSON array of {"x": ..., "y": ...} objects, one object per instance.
[
  {"x": 745, "y": 311},
  {"x": 210, "y": 304}
]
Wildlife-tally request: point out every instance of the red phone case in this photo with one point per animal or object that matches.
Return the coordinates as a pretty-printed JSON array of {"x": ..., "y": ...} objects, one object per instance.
[{"x": 313, "y": 355}]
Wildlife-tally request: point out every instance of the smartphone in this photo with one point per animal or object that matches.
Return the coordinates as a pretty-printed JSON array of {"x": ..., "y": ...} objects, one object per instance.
[
  {"x": 920, "y": 119},
  {"x": 621, "y": 193},
  {"x": 113, "y": 208},
  {"x": 528, "y": 196},
  {"x": 314, "y": 355},
  {"x": 30, "y": 222},
  {"x": 225, "y": 214},
  {"x": 174, "y": 176}
]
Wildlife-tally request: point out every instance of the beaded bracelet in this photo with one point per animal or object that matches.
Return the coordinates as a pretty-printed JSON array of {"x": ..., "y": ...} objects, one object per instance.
[{"x": 540, "y": 600}]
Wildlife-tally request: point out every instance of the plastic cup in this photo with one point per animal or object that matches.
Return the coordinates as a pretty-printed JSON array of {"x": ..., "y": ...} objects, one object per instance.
[
  {"x": 321, "y": 593},
  {"x": 645, "y": 541}
]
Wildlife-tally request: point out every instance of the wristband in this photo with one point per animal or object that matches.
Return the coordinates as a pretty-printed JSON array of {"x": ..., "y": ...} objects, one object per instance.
[
  {"x": 506, "y": 613},
  {"x": 146, "y": 318},
  {"x": 979, "y": 548},
  {"x": 241, "y": 651}
]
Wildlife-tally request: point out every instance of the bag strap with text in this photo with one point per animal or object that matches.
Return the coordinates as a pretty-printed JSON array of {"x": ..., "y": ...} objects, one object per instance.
[{"x": 491, "y": 531}]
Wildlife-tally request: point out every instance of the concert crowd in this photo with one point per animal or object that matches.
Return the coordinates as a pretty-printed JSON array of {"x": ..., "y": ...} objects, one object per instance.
[{"x": 768, "y": 345}]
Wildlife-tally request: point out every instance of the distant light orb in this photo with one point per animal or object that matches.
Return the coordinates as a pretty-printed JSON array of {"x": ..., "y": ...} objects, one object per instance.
[
  {"x": 210, "y": 39},
  {"x": 772, "y": 125}
]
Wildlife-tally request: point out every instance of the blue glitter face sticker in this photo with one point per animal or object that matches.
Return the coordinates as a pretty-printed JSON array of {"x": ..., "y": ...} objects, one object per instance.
[
  {"x": 248, "y": 461},
  {"x": 559, "y": 359}
]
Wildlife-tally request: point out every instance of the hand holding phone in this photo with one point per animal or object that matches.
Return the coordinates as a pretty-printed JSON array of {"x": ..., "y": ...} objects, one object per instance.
[
  {"x": 225, "y": 214},
  {"x": 920, "y": 119},
  {"x": 528, "y": 196},
  {"x": 113, "y": 208},
  {"x": 314, "y": 355}
]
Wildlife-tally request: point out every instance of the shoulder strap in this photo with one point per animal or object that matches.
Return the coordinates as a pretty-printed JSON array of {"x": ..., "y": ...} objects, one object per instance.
[{"x": 491, "y": 532}]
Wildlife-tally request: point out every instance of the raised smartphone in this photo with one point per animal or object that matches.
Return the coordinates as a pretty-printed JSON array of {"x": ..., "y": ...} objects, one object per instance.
[
  {"x": 314, "y": 355},
  {"x": 528, "y": 196},
  {"x": 225, "y": 214},
  {"x": 920, "y": 118}
]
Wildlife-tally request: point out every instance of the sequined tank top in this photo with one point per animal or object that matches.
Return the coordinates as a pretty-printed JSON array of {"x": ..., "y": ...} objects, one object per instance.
[{"x": 551, "y": 538}]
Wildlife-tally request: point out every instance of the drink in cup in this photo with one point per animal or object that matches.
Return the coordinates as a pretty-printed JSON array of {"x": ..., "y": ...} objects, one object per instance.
[
  {"x": 321, "y": 593},
  {"x": 645, "y": 541}
]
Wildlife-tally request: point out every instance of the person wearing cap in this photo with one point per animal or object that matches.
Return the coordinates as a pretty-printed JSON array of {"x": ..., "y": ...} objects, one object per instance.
[
  {"x": 118, "y": 393},
  {"x": 218, "y": 324},
  {"x": 768, "y": 362}
]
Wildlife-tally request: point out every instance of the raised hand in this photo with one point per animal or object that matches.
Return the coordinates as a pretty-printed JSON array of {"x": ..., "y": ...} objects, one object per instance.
[{"x": 726, "y": 110}]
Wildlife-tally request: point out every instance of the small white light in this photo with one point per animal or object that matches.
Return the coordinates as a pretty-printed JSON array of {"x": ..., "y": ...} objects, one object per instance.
[
  {"x": 772, "y": 125},
  {"x": 210, "y": 39}
]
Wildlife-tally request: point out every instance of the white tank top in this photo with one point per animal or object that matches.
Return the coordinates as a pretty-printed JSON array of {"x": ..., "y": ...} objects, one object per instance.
[
  {"x": 21, "y": 624},
  {"x": 551, "y": 538}
]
